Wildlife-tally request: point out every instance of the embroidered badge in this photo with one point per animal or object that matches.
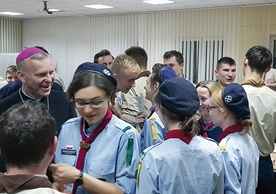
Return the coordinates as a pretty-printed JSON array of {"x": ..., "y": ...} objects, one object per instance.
[
  {"x": 68, "y": 152},
  {"x": 228, "y": 98}
]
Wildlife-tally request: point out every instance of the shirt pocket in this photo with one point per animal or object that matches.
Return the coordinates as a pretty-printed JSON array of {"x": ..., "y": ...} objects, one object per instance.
[
  {"x": 70, "y": 160},
  {"x": 103, "y": 171}
]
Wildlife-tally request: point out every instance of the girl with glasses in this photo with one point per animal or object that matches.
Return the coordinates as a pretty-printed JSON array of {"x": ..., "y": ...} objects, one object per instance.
[
  {"x": 240, "y": 153},
  {"x": 96, "y": 152},
  {"x": 206, "y": 126}
]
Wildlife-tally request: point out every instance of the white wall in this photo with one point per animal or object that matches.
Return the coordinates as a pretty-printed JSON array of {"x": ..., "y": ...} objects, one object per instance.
[{"x": 73, "y": 40}]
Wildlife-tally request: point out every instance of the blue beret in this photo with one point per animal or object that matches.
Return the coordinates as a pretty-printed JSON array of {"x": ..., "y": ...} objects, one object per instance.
[
  {"x": 179, "y": 96},
  {"x": 97, "y": 68},
  {"x": 166, "y": 73},
  {"x": 235, "y": 99}
]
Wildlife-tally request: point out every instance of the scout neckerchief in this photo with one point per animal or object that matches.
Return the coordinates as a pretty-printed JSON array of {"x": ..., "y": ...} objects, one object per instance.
[
  {"x": 229, "y": 130},
  {"x": 206, "y": 128},
  {"x": 254, "y": 83},
  {"x": 86, "y": 142},
  {"x": 177, "y": 133}
]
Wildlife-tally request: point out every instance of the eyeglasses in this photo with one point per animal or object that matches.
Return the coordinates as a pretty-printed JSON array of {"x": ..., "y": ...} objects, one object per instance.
[
  {"x": 80, "y": 104},
  {"x": 211, "y": 107}
]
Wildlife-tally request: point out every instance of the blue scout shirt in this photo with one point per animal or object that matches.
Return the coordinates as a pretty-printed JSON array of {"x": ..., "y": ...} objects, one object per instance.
[
  {"x": 113, "y": 156},
  {"x": 241, "y": 161},
  {"x": 153, "y": 131},
  {"x": 174, "y": 167}
]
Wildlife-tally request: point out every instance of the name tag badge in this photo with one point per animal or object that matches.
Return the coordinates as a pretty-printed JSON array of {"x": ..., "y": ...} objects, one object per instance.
[{"x": 68, "y": 152}]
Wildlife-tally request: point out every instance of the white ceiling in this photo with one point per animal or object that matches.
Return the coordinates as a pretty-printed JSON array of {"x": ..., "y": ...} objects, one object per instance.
[{"x": 30, "y": 8}]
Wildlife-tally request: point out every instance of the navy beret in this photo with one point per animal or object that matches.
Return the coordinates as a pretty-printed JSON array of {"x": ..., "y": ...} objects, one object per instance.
[
  {"x": 97, "y": 68},
  {"x": 235, "y": 99},
  {"x": 166, "y": 73},
  {"x": 179, "y": 96}
]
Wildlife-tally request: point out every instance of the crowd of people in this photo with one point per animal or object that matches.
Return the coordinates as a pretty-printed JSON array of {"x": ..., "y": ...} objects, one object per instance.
[{"x": 120, "y": 128}]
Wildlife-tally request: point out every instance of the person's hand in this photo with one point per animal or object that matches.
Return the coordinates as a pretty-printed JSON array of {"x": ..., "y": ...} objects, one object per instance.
[
  {"x": 60, "y": 188},
  {"x": 140, "y": 119},
  {"x": 63, "y": 173}
]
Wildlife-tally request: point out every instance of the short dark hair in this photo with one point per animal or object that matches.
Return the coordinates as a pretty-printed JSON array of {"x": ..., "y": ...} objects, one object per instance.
[
  {"x": 259, "y": 58},
  {"x": 102, "y": 53},
  {"x": 138, "y": 54},
  {"x": 26, "y": 132},
  {"x": 155, "y": 71},
  {"x": 86, "y": 79},
  {"x": 225, "y": 60},
  {"x": 173, "y": 53}
]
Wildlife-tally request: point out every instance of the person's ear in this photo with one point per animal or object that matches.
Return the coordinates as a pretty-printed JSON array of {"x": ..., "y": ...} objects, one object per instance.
[
  {"x": 156, "y": 86},
  {"x": 216, "y": 73},
  {"x": 267, "y": 69},
  {"x": 53, "y": 146},
  {"x": 245, "y": 62},
  {"x": 115, "y": 75},
  {"x": 20, "y": 76}
]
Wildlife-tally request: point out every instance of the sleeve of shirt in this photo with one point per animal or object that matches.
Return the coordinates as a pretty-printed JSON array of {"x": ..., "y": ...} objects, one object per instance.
[
  {"x": 152, "y": 133},
  {"x": 127, "y": 162},
  {"x": 147, "y": 182},
  {"x": 219, "y": 187},
  {"x": 232, "y": 176}
]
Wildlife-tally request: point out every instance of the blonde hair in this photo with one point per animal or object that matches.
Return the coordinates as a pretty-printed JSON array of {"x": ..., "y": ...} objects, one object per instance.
[
  {"x": 124, "y": 62},
  {"x": 11, "y": 69},
  {"x": 210, "y": 85},
  {"x": 217, "y": 99}
]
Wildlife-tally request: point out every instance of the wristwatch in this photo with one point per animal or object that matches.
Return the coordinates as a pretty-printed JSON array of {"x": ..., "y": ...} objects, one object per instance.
[{"x": 78, "y": 181}]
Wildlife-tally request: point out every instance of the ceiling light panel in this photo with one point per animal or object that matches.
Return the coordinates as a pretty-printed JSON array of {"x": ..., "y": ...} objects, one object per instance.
[
  {"x": 10, "y": 13},
  {"x": 98, "y": 6},
  {"x": 158, "y": 2}
]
